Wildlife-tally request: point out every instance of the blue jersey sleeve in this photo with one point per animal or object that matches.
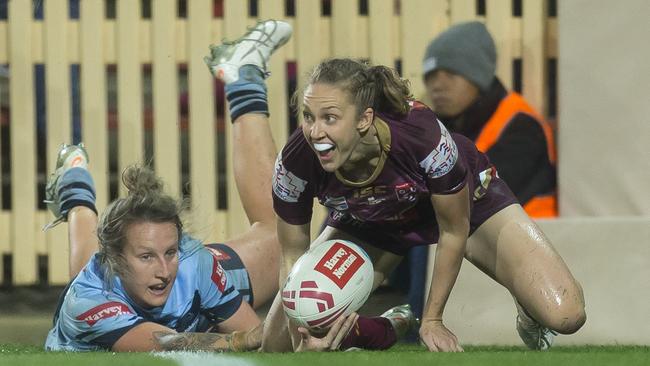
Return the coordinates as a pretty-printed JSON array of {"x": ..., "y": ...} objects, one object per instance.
[
  {"x": 219, "y": 297},
  {"x": 93, "y": 319}
]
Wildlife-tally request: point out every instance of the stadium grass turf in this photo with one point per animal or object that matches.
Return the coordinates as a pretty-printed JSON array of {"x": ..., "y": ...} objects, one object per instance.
[{"x": 400, "y": 355}]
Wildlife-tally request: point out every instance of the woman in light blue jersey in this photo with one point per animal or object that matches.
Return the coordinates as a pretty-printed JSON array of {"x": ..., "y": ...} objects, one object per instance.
[
  {"x": 151, "y": 286},
  {"x": 150, "y": 280}
]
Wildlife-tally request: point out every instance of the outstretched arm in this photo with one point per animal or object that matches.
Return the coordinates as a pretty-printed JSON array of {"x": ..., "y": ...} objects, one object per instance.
[
  {"x": 151, "y": 336},
  {"x": 236, "y": 341},
  {"x": 240, "y": 332},
  {"x": 452, "y": 214}
]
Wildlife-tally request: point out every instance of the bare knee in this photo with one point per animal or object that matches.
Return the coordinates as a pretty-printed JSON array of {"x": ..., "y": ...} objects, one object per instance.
[
  {"x": 573, "y": 314},
  {"x": 569, "y": 322},
  {"x": 564, "y": 313}
]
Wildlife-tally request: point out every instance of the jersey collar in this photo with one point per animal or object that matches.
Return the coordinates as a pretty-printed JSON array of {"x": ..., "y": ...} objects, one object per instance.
[{"x": 384, "y": 137}]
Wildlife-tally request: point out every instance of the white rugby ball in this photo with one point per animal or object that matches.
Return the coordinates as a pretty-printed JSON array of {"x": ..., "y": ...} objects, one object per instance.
[{"x": 331, "y": 279}]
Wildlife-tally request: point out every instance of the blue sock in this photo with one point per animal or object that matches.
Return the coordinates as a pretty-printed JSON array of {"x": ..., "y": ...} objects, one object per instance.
[
  {"x": 248, "y": 93},
  {"x": 76, "y": 188}
]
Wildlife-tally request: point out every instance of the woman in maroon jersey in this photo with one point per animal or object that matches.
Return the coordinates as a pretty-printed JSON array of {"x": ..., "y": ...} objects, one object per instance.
[{"x": 393, "y": 177}]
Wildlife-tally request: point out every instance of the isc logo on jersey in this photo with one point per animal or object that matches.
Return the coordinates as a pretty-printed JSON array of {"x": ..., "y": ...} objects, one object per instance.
[
  {"x": 103, "y": 311},
  {"x": 332, "y": 279}
]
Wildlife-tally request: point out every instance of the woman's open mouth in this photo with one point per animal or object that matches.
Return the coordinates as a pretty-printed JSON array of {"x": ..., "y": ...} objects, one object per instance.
[
  {"x": 324, "y": 150},
  {"x": 158, "y": 289}
]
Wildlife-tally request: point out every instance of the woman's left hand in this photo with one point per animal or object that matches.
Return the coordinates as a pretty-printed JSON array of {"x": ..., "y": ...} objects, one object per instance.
[
  {"x": 332, "y": 340},
  {"x": 438, "y": 338}
]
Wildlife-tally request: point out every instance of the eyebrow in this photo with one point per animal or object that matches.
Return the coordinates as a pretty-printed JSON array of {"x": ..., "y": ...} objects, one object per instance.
[
  {"x": 328, "y": 109},
  {"x": 146, "y": 249},
  {"x": 305, "y": 108}
]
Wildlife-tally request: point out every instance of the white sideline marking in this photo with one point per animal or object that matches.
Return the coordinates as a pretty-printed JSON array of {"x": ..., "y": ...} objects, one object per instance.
[{"x": 186, "y": 358}]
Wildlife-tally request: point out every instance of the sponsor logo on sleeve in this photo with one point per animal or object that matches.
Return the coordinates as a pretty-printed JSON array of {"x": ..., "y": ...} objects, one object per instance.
[
  {"x": 485, "y": 177},
  {"x": 104, "y": 311},
  {"x": 286, "y": 185},
  {"x": 218, "y": 274},
  {"x": 218, "y": 254},
  {"x": 339, "y": 264},
  {"x": 443, "y": 158}
]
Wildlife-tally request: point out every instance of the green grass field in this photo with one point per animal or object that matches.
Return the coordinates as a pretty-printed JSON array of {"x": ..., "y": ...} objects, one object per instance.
[{"x": 399, "y": 355}]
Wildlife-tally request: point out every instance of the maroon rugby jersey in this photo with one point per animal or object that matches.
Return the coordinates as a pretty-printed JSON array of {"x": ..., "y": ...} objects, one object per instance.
[{"x": 392, "y": 210}]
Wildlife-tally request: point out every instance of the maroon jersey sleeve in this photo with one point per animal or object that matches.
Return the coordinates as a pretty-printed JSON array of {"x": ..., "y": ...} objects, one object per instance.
[
  {"x": 294, "y": 181},
  {"x": 439, "y": 157}
]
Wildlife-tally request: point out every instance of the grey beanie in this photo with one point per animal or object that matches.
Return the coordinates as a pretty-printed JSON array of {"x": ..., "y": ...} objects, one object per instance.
[{"x": 466, "y": 49}]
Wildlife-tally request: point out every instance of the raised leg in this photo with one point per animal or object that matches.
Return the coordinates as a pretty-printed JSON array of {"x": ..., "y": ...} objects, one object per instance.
[
  {"x": 242, "y": 66},
  {"x": 253, "y": 160},
  {"x": 70, "y": 196},
  {"x": 82, "y": 237}
]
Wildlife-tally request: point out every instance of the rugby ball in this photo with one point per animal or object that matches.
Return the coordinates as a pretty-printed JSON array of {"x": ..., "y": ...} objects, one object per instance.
[{"x": 331, "y": 279}]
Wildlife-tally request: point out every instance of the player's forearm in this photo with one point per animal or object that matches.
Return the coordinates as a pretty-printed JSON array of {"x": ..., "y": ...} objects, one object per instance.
[
  {"x": 276, "y": 337},
  {"x": 294, "y": 240},
  {"x": 289, "y": 259},
  {"x": 449, "y": 257},
  {"x": 452, "y": 215},
  {"x": 237, "y": 341}
]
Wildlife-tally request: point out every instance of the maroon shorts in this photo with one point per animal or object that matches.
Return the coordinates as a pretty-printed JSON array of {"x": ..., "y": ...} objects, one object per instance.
[{"x": 398, "y": 239}]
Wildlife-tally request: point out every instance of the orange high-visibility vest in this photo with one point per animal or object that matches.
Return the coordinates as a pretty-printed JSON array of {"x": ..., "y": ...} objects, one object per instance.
[{"x": 538, "y": 206}]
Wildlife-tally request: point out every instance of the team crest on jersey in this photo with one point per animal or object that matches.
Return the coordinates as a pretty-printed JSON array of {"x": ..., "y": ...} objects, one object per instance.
[
  {"x": 443, "y": 158},
  {"x": 335, "y": 203},
  {"x": 339, "y": 264},
  {"x": 218, "y": 274},
  {"x": 286, "y": 185},
  {"x": 103, "y": 311},
  {"x": 406, "y": 192}
]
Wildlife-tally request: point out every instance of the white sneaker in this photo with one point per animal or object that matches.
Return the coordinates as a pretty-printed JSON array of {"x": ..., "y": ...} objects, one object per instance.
[
  {"x": 534, "y": 335},
  {"x": 69, "y": 156},
  {"x": 353, "y": 349},
  {"x": 402, "y": 319},
  {"x": 253, "y": 48}
]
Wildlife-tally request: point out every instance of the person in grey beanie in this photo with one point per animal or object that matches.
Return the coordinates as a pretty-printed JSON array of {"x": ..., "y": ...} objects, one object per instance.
[{"x": 459, "y": 76}]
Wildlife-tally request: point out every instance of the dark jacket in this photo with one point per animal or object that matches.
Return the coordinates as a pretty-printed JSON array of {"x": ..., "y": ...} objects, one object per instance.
[{"x": 520, "y": 153}]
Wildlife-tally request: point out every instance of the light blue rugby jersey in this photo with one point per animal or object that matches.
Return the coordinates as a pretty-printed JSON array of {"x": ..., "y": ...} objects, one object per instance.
[{"x": 93, "y": 318}]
